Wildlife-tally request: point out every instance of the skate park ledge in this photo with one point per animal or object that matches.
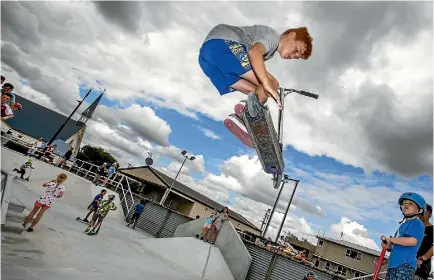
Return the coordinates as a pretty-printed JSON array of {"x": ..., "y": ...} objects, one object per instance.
[{"x": 229, "y": 243}]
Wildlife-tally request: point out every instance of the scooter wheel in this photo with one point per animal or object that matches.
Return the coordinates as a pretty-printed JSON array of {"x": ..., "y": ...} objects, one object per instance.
[{"x": 277, "y": 180}]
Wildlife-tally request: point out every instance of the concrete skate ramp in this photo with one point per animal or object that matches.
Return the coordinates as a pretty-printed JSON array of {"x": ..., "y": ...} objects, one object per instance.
[
  {"x": 194, "y": 258},
  {"x": 79, "y": 192},
  {"x": 229, "y": 243}
]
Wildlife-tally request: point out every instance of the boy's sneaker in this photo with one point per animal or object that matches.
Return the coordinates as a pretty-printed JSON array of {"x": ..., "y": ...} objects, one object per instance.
[
  {"x": 254, "y": 106},
  {"x": 87, "y": 230},
  {"x": 239, "y": 108},
  {"x": 236, "y": 126}
]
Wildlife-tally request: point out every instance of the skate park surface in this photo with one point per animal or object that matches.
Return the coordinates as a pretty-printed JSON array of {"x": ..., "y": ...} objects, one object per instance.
[{"x": 59, "y": 249}]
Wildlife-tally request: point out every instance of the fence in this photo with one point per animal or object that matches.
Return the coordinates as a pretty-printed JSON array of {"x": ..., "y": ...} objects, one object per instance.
[
  {"x": 267, "y": 265},
  {"x": 157, "y": 220}
]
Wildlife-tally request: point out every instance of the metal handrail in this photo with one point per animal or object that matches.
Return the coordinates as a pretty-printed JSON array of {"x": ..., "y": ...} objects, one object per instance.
[
  {"x": 84, "y": 169},
  {"x": 367, "y": 276}
]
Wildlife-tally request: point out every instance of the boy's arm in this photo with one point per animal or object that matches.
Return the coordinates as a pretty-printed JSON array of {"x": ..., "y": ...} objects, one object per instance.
[
  {"x": 45, "y": 184},
  {"x": 256, "y": 56},
  {"x": 427, "y": 255},
  {"x": 403, "y": 241},
  {"x": 7, "y": 117}
]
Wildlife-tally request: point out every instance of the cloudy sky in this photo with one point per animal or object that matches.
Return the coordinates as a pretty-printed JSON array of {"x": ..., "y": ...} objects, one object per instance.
[{"x": 367, "y": 139}]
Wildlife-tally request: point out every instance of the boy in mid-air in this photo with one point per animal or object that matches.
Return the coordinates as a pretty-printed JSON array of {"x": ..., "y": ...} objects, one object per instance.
[{"x": 233, "y": 58}]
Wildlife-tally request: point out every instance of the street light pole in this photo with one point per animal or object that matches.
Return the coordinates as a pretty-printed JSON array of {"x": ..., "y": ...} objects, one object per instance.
[
  {"x": 287, "y": 208},
  {"x": 62, "y": 126},
  {"x": 166, "y": 193}
]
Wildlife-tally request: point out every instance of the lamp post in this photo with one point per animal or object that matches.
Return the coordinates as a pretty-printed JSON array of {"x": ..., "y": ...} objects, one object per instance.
[
  {"x": 166, "y": 193},
  {"x": 62, "y": 126},
  {"x": 264, "y": 221}
]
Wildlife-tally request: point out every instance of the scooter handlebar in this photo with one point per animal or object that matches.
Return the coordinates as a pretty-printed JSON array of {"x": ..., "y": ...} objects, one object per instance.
[{"x": 308, "y": 94}]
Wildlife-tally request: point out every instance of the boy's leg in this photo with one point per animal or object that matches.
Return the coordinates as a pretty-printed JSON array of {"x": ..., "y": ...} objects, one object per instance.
[
  {"x": 98, "y": 223},
  {"x": 88, "y": 214},
  {"x": 249, "y": 83},
  {"x": 22, "y": 172}
]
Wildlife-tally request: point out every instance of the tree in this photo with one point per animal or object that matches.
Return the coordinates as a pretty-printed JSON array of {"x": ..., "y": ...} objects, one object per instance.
[{"x": 95, "y": 155}]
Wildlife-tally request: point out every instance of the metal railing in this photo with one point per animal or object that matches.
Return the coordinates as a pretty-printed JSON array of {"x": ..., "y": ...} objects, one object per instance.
[
  {"x": 6, "y": 183},
  {"x": 367, "y": 276}
]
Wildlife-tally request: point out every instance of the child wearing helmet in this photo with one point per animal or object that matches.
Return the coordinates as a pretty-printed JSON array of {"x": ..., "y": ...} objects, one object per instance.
[
  {"x": 98, "y": 216},
  {"x": 402, "y": 262},
  {"x": 26, "y": 165}
]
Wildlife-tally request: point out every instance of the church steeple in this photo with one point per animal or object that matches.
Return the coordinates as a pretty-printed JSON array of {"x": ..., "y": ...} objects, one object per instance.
[{"x": 87, "y": 114}]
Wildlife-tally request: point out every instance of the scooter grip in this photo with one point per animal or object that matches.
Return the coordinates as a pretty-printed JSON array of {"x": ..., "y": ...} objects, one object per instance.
[{"x": 308, "y": 94}]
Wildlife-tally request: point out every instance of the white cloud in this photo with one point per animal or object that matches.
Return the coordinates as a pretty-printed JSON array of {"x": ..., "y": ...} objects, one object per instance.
[
  {"x": 354, "y": 233},
  {"x": 144, "y": 63},
  {"x": 173, "y": 152},
  {"x": 208, "y": 133}
]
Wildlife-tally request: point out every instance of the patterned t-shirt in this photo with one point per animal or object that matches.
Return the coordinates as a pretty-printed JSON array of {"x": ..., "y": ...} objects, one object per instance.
[
  {"x": 104, "y": 207},
  {"x": 51, "y": 192}
]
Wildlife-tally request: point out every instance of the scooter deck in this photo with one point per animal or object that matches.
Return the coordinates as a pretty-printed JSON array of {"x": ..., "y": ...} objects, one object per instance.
[
  {"x": 265, "y": 140},
  {"x": 81, "y": 221}
]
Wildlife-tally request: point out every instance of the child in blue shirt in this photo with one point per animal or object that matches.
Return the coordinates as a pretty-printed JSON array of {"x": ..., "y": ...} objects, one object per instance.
[
  {"x": 137, "y": 212},
  {"x": 402, "y": 262}
]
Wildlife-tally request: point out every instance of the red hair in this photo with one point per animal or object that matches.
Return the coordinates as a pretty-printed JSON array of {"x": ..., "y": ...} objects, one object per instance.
[{"x": 301, "y": 34}]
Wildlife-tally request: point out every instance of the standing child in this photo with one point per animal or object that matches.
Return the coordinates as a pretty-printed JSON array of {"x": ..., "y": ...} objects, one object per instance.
[
  {"x": 425, "y": 252},
  {"x": 137, "y": 212},
  {"x": 98, "y": 216},
  {"x": 217, "y": 225},
  {"x": 402, "y": 262},
  {"x": 110, "y": 172},
  {"x": 100, "y": 172},
  {"x": 95, "y": 203},
  {"x": 6, "y": 111},
  {"x": 208, "y": 224},
  {"x": 233, "y": 58},
  {"x": 54, "y": 189}
]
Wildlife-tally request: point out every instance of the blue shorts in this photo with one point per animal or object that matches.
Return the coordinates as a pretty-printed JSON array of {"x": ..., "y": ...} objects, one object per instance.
[
  {"x": 403, "y": 272},
  {"x": 224, "y": 62}
]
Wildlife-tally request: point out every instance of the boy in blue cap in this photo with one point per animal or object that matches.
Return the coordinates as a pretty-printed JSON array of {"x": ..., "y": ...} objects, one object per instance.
[
  {"x": 402, "y": 262},
  {"x": 233, "y": 58}
]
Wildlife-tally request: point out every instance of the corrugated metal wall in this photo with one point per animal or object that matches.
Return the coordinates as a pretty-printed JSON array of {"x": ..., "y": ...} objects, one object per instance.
[
  {"x": 155, "y": 219},
  {"x": 269, "y": 266}
]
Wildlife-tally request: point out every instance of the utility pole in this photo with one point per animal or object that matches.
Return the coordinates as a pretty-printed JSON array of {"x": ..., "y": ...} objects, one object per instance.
[
  {"x": 266, "y": 216},
  {"x": 63, "y": 125}
]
